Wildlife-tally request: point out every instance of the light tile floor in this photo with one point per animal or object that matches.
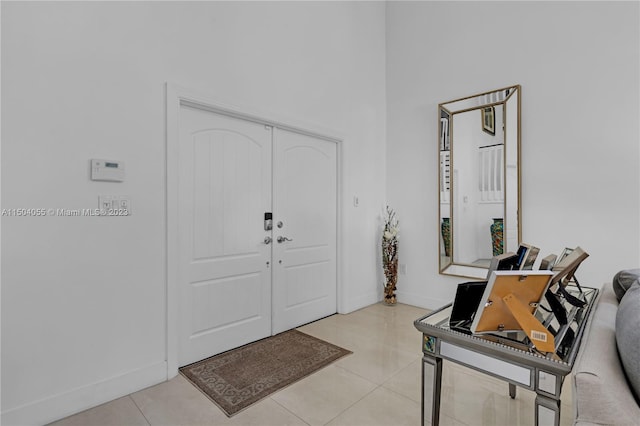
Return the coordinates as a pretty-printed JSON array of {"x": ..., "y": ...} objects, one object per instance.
[{"x": 378, "y": 385}]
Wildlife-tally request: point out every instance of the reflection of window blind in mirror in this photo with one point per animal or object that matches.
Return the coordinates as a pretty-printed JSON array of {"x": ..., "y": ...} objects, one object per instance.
[
  {"x": 491, "y": 173},
  {"x": 445, "y": 180},
  {"x": 494, "y": 97}
]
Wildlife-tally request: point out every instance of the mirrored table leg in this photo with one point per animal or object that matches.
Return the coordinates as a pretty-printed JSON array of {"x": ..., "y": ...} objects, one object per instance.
[
  {"x": 431, "y": 383},
  {"x": 512, "y": 387},
  {"x": 512, "y": 390},
  {"x": 547, "y": 411}
]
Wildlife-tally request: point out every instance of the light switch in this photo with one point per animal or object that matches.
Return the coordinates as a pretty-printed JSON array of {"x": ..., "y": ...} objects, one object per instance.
[
  {"x": 104, "y": 202},
  {"x": 114, "y": 205},
  {"x": 125, "y": 204}
]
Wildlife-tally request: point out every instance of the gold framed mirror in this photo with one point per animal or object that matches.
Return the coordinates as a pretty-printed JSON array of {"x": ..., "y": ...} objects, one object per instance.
[{"x": 479, "y": 180}]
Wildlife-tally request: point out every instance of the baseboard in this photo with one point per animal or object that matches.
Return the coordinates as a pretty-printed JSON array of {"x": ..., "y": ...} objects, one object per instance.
[
  {"x": 420, "y": 301},
  {"x": 360, "y": 302},
  {"x": 65, "y": 404}
]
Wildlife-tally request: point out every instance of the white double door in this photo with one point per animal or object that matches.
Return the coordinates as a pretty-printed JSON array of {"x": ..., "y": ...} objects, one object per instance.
[{"x": 239, "y": 281}]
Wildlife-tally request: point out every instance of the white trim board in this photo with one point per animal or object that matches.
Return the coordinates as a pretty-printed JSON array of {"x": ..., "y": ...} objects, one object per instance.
[{"x": 76, "y": 400}]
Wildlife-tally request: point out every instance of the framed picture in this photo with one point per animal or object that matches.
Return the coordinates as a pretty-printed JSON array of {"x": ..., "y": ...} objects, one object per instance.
[
  {"x": 489, "y": 120},
  {"x": 509, "y": 303},
  {"x": 566, "y": 252},
  {"x": 444, "y": 131}
]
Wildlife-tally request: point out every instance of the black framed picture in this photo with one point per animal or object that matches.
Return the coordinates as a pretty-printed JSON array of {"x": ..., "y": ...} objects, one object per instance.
[
  {"x": 489, "y": 120},
  {"x": 444, "y": 131}
]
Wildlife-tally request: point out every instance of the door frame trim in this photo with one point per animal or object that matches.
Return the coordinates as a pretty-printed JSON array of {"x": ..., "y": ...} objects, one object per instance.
[{"x": 175, "y": 97}]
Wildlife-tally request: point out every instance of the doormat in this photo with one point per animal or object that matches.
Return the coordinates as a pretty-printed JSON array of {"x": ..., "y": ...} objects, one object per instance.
[{"x": 238, "y": 378}]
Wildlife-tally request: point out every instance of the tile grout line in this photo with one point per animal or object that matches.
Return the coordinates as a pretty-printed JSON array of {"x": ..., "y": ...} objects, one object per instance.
[
  {"x": 399, "y": 394},
  {"x": 377, "y": 386},
  {"x": 357, "y": 374},
  {"x": 351, "y": 406},
  {"x": 139, "y": 409},
  {"x": 289, "y": 411}
]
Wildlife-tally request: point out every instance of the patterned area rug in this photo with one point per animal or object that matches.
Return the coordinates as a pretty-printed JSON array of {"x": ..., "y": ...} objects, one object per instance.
[{"x": 243, "y": 376}]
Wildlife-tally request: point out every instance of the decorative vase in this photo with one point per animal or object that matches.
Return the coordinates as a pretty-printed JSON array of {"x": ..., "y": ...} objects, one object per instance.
[
  {"x": 390, "y": 299},
  {"x": 497, "y": 228},
  {"x": 390, "y": 262},
  {"x": 445, "y": 228},
  {"x": 390, "y": 256}
]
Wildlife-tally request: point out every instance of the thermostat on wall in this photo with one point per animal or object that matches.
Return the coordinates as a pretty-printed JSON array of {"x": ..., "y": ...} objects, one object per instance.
[{"x": 107, "y": 170}]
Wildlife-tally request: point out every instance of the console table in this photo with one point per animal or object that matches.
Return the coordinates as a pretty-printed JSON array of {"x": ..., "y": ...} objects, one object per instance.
[{"x": 505, "y": 355}]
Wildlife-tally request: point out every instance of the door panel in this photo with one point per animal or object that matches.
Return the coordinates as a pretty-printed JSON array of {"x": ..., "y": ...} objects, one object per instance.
[
  {"x": 234, "y": 287},
  {"x": 305, "y": 201},
  {"x": 224, "y": 266}
]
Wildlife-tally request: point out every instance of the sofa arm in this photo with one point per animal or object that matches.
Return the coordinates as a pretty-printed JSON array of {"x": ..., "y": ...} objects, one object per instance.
[{"x": 601, "y": 394}]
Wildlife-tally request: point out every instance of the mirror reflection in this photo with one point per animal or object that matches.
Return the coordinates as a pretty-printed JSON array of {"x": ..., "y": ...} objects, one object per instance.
[{"x": 479, "y": 180}]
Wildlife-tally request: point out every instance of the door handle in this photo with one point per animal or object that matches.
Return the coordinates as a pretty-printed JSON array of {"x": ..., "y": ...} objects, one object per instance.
[
  {"x": 282, "y": 239},
  {"x": 267, "y": 240}
]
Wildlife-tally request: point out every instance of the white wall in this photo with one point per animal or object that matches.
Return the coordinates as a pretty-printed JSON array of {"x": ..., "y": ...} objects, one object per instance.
[
  {"x": 578, "y": 64},
  {"x": 83, "y": 298}
]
